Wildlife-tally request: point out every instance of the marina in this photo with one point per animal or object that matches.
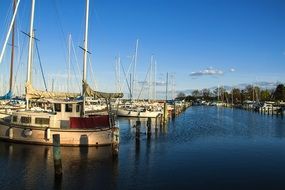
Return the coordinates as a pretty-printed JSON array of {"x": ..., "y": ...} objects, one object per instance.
[
  {"x": 142, "y": 95},
  {"x": 202, "y": 148}
]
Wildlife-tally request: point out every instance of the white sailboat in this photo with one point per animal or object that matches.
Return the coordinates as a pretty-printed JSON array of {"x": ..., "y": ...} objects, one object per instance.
[
  {"x": 7, "y": 105},
  {"x": 66, "y": 118}
]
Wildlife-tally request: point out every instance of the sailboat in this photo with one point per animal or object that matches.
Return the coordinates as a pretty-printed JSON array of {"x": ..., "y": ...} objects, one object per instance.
[
  {"x": 7, "y": 105},
  {"x": 135, "y": 108},
  {"x": 67, "y": 118}
]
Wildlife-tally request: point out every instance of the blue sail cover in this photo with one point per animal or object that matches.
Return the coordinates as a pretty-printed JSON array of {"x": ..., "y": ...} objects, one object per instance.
[{"x": 7, "y": 96}]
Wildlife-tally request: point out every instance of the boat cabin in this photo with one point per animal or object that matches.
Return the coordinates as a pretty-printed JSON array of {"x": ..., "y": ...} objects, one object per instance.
[{"x": 58, "y": 117}]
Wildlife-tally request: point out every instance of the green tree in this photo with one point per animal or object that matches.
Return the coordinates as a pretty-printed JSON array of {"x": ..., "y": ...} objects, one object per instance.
[
  {"x": 220, "y": 93},
  {"x": 265, "y": 95},
  {"x": 181, "y": 95},
  {"x": 206, "y": 93},
  {"x": 236, "y": 95},
  {"x": 279, "y": 93},
  {"x": 196, "y": 93}
]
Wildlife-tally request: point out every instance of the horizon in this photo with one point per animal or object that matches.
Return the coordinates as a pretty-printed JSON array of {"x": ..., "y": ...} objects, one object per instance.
[{"x": 201, "y": 44}]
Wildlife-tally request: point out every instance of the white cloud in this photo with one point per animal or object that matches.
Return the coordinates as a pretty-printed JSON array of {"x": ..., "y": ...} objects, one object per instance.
[
  {"x": 232, "y": 70},
  {"x": 207, "y": 72}
]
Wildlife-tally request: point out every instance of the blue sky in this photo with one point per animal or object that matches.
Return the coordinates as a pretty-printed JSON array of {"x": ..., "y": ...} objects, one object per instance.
[{"x": 186, "y": 37}]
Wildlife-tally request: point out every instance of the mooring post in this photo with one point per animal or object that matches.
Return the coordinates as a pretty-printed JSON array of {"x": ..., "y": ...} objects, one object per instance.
[
  {"x": 174, "y": 110},
  {"x": 115, "y": 141},
  {"x": 164, "y": 113},
  {"x": 156, "y": 121},
  {"x": 148, "y": 125},
  {"x": 138, "y": 131},
  {"x": 57, "y": 155}
]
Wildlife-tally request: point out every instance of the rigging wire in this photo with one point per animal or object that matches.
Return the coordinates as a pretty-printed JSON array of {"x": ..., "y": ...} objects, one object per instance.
[
  {"x": 41, "y": 67},
  {"x": 92, "y": 75},
  {"x": 6, "y": 23},
  {"x": 143, "y": 83},
  {"x": 76, "y": 60}
]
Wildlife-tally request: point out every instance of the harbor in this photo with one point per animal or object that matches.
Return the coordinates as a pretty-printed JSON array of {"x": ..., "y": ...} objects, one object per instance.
[
  {"x": 245, "y": 151},
  {"x": 142, "y": 95}
]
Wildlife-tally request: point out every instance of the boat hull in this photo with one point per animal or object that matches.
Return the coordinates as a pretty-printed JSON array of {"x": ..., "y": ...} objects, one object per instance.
[
  {"x": 68, "y": 137},
  {"x": 144, "y": 114}
]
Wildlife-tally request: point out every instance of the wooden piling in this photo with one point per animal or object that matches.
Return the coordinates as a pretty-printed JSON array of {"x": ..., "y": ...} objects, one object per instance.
[
  {"x": 57, "y": 155},
  {"x": 174, "y": 110},
  {"x": 156, "y": 121},
  {"x": 115, "y": 141},
  {"x": 148, "y": 125},
  {"x": 138, "y": 131},
  {"x": 164, "y": 113}
]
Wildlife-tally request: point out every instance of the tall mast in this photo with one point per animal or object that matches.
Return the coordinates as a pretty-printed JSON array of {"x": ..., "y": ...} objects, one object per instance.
[
  {"x": 69, "y": 54},
  {"x": 166, "y": 87},
  {"x": 155, "y": 63},
  {"x": 12, "y": 52},
  {"x": 119, "y": 73},
  {"x": 85, "y": 54},
  {"x": 135, "y": 66},
  {"x": 31, "y": 36},
  {"x": 9, "y": 31},
  {"x": 218, "y": 92},
  {"x": 31, "y": 42},
  {"x": 150, "y": 79}
]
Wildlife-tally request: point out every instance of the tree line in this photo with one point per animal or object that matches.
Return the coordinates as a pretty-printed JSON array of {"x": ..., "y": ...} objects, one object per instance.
[{"x": 236, "y": 95}]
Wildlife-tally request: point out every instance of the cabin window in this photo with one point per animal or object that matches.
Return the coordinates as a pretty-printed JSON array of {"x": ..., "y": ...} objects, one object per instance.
[
  {"x": 26, "y": 120},
  {"x": 14, "y": 119},
  {"x": 42, "y": 121},
  {"x": 77, "y": 108},
  {"x": 68, "y": 107},
  {"x": 57, "y": 107}
]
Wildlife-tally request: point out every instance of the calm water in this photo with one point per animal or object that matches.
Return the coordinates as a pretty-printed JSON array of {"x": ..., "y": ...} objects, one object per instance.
[{"x": 203, "y": 148}]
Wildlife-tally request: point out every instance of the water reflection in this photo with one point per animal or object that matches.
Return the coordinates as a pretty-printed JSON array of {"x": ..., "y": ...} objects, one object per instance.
[
  {"x": 203, "y": 148},
  {"x": 32, "y": 166}
]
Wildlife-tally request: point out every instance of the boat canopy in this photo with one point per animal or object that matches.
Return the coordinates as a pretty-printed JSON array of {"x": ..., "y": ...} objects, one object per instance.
[
  {"x": 91, "y": 93},
  {"x": 7, "y": 96},
  {"x": 32, "y": 93}
]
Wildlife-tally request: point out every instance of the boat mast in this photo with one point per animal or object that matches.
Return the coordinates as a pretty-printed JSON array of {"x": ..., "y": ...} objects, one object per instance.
[
  {"x": 85, "y": 54},
  {"x": 69, "y": 54},
  {"x": 155, "y": 63},
  {"x": 9, "y": 31},
  {"x": 31, "y": 36},
  {"x": 31, "y": 42},
  {"x": 166, "y": 87},
  {"x": 134, "y": 68},
  {"x": 12, "y": 52},
  {"x": 150, "y": 80}
]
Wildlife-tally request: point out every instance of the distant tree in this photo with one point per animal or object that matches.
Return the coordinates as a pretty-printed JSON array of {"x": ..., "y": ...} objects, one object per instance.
[
  {"x": 196, "y": 93},
  {"x": 219, "y": 93},
  {"x": 181, "y": 95},
  {"x": 206, "y": 93},
  {"x": 242, "y": 96},
  {"x": 279, "y": 93},
  {"x": 265, "y": 95},
  {"x": 248, "y": 92},
  {"x": 256, "y": 93},
  {"x": 236, "y": 94}
]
